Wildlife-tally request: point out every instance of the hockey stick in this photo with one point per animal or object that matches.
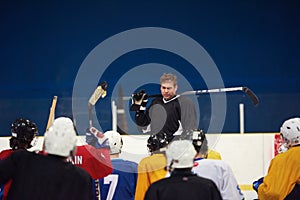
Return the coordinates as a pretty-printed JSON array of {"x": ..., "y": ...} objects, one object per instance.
[
  {"x": 100, "y": 91},
  {"x": 52, "y": 113},
  {"x": 246, "y": 90}
]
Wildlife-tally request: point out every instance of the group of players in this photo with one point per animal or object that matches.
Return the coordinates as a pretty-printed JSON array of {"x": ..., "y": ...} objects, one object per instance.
[{"x": 180, "y": 164}]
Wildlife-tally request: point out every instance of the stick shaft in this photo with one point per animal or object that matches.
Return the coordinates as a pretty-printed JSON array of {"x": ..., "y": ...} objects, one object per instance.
[{"x": 52, "y": 112}]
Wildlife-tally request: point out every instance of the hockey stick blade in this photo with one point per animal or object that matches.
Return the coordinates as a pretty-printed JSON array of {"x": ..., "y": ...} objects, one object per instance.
[
  {"x": 252, "y": 96},
  {"x": 100, "y": 91}
]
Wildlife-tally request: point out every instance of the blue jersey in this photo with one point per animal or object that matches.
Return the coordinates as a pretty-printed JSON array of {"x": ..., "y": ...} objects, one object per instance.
[
  {"x": 121, "y": 183},
  {"x": 1, "y": 191}
]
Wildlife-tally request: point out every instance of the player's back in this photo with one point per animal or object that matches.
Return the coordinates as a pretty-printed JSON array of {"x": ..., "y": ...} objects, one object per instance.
[
  {"x": 95, "y": 161},
  {"x": 44, "y": 177},
  {"x": 121, "y": 183},
  {"x": 221, "y": 174},
  {"x": 183, "y": 186},
  {"x": 150, "y": 170}
]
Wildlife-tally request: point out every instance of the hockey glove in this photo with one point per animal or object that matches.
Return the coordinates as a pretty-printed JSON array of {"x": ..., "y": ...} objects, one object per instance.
[
  {"x": 257, "y": 183},
  {"x": 95, "y": 138},
  {"x": 139, "y": 101}
]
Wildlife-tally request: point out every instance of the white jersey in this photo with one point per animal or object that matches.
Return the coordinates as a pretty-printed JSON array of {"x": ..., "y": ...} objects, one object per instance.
[{"x": 221, "y": 174}]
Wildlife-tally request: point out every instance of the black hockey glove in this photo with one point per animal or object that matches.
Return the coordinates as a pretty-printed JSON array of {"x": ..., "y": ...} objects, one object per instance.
[{"x": 139, "y": 101}]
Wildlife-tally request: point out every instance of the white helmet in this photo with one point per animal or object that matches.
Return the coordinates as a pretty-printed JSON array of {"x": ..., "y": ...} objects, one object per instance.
[
  {"x": 290, "y": 131},
  {"x": 181, "y": 154},
  {"x": 115, "y": 141},
  {"x": 60, "y": 139}
]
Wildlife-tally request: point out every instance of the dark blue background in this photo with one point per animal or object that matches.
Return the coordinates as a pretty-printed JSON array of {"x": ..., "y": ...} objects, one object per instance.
[{"x": 253, "y": 43}]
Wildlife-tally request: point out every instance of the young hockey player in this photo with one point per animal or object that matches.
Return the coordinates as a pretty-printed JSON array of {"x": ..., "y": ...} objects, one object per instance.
[
  {"x": 23, "y": 133},
  {"x": 94, "y": 157},
  {"x": 152, "y": 168},
  {"x": 182, "y": 183},
  {"x": 283, "y": 178},
  {"x": 36, "y": 176},
  {"x": 216, "y": 170},
  {"x": 121, "y": 183}
]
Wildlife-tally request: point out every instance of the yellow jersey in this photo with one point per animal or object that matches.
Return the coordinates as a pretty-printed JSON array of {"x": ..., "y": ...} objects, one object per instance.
[
  {"x": 283, "y": 175},
  {"x": 150, "y": 169}
]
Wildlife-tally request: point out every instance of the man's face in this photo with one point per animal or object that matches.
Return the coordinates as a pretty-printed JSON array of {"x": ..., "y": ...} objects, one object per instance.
[{"x": 168, "y": 90}]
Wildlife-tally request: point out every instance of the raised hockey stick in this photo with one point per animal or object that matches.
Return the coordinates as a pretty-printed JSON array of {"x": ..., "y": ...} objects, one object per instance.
[
  {"x": 100, "y": 91},
  {"x": 52, "y": 113},
  {"x": 246, "y": 90}
]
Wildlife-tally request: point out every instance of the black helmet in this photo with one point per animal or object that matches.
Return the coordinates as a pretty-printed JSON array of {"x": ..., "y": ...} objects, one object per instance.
[
  {"x": 23, "y": 131},
  {"x": 200, "y": 141},
  {"x": 157, "y": 141}
]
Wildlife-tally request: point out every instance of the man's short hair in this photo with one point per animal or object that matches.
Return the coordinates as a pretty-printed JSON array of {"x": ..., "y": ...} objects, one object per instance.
[{"x": 168, "y": 77}]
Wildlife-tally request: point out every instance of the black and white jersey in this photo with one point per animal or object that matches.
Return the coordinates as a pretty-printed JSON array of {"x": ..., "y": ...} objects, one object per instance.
[{"x": 171, "y": 117}]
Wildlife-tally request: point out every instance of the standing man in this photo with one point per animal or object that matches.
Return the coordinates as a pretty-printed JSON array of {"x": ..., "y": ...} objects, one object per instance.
[
  {"x": 283, "y": 178},
  {"x": 23, "y": 133},
  {"x": 36, "y": 176},
  {"x": 121, "y": 183},
  {"x": 182, "y": 184},
  {"x": 169, "y": 113}
]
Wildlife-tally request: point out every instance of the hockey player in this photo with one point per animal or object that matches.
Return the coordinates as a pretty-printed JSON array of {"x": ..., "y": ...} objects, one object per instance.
[
  {"x": 169, "y": 113},
  {"x": 152, "y": 168},
  {"x": 216, "y": 170},
  {"x": 283, "y": 178},
  {"x": 121, "y": 183},
  {"x": 36, "y": 176},
  {"x": 94, "y": 157},
  {"x": 182, "y": 184},
  {"x": 23, "y": 133}
]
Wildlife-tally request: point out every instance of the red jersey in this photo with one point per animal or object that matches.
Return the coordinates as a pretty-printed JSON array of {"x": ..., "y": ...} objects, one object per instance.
[
  {"x": 95, "y": 161},
  {"x": 4, "y": 154}
]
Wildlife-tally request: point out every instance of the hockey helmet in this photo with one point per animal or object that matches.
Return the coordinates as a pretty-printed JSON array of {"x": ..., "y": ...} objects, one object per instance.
[
  {"x": 180, "y": 154},
  {"x": 115, "y": 141},
  {"x": 61, "y": 139},
  {"x": 290, "y": 131},
  {"x": 157, "y": 141},
  {"x": 199, "y": 141},
  {"x": 23, "y": 129}
]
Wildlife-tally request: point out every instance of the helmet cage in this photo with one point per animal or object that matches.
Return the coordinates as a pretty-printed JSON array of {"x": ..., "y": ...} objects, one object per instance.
[{"x": 157, "y": 141}]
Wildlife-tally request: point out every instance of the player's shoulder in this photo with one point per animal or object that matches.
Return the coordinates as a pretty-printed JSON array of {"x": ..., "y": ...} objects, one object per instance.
[
  {"x": 129, "y": 162},
  {"x": 5, "y": 153},
  {"x": 146, "y": 159},
  {"x": 124, "y": 162},
  {"x": 213, "y": 163},
  {"x": 157, "y": 100},
  {"x": 156, "y": 157},
  {"x": 290, "y": 154}
]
